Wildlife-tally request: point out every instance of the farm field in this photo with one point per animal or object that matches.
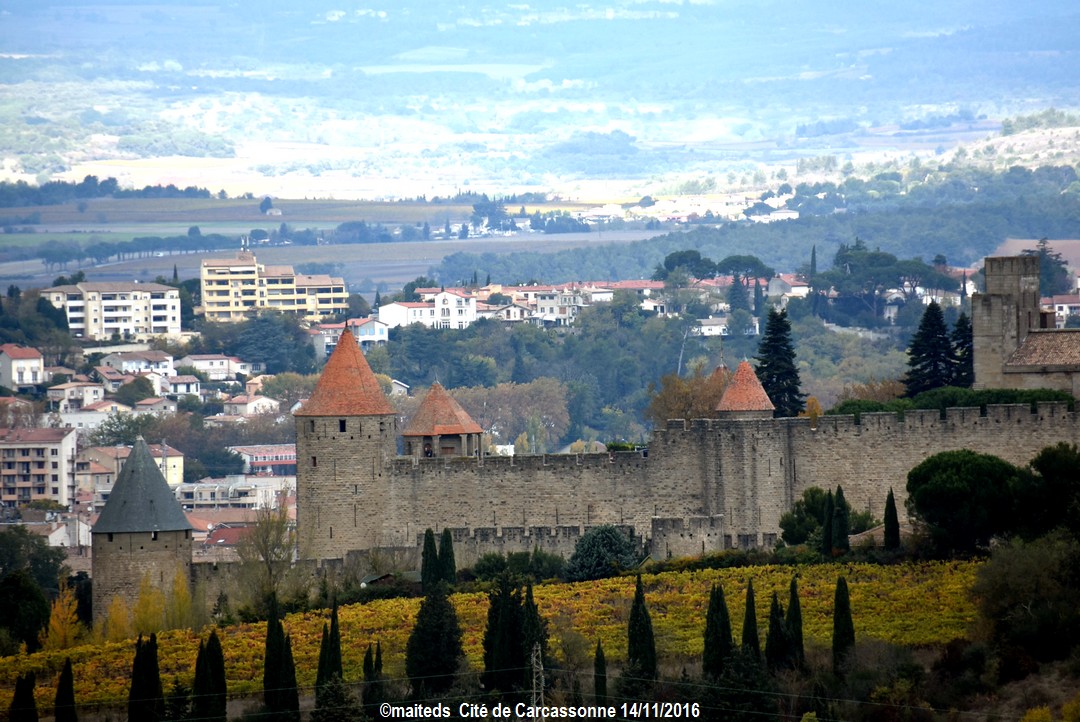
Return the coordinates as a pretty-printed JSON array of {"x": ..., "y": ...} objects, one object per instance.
[{"x": 918, "y": 605}]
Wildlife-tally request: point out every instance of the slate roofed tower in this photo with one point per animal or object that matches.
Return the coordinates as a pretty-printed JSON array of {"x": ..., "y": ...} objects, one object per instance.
[
  {"x": 744, "y": 397},
  {"x": 346, "y": 433},
  {"x": 142, "y": 533},
  {"x": 440, "y": 427}
]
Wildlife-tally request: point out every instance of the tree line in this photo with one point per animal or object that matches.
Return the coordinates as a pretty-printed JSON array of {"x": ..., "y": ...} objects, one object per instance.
[{"x": 20, "y": 193}]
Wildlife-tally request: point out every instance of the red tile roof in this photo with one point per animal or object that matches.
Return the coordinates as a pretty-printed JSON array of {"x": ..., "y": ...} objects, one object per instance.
[
  {"x": 347, "y": 386},
  {"x": 15, "y": 351},
  {"x": 744, "y": 392},
  {"x": 439, "y": 415}
]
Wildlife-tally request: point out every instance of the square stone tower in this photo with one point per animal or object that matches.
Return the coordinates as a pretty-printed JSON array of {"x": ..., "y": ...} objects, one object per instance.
[{"x": 1003, "y": 316}]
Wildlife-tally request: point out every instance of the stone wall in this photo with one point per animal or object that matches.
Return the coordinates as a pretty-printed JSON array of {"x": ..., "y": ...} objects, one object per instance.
[{"x": 122, "y": 560}]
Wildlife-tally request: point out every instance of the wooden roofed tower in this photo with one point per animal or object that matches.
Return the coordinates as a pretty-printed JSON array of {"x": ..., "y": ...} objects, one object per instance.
[
  {"x": 346, "y": 433},
  {"x": 142, "y": 533},
  {"x": 440, "y": 427}
]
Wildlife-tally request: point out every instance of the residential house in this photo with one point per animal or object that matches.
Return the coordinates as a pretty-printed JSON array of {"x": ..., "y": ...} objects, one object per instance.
[
  {"x": 369, "y": 332},
  {"x": 91, "y": 416},
  {"x": 268, "y": 459},
  {"x": 134, "y": 362},
  {"x": 245, "y": 405},
  {"x": 108, "y": 460},
  {"x": 155, "y": 405},
  {"x": 509, "y": 313},
  {"x": 403, "y": 313},
  {"x": 74, "y": 395},
  {"x": 37, "y": 464},
  {"x": 21, "y": 367},
  {"x": 219, "y": 367},
  {"x": 183, "y": 385},
  {"x": 1065, "y": 306},
  {"x": 102, "y": 310},
  {"x": 111, "y": 379}
]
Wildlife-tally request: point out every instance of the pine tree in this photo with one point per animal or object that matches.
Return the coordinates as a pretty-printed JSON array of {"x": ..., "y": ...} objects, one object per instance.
[
  {"x": 447, "y": 565},
  {"x": 23, "y": 705},
  {"x": 719, "y": 643},
  {"x": 641, "y": 646},
  {"x": 776, "y": 369},
  {"x": 599, "y": 676},
  {"x": 826, "y": 527},
  {"x": 841, "y": 525},
  {"x": 930, "y": 355},
  {"x": 434, "y": 648},
  {"x": 778, "y": 654},
  {"x": 430, "y": 573},
  {"x": 793, "y": 622},
  {"x": 892, "y": 523},
  {"x": 843, "y": 639},
  {"x": 751, "y": 643},
  {"x": 962, "y": 341},
  {"x": 64, "y": 704},
  {"x": 378, "y": 301}
]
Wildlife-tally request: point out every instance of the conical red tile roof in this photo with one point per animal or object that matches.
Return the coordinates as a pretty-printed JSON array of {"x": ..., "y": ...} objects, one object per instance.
[
  {"x": 440, "y": 415},
  {"x": 744, "y": 392},
  {"x": 347, "y": 386}
]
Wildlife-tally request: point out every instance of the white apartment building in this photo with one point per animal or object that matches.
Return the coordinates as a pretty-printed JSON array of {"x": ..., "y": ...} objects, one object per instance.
[
  {"x": 234, "y": 288},
  {"x": 37, "y": 464},
  {"x": 449, "y": 309},
  {"x": 101, "y": 310},
  {"x": 20, "y": 366}
]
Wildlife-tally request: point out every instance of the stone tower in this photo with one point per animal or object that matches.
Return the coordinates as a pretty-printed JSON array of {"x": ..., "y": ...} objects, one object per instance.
[
  {"x": 440, "y": 427},
  {"x": 142, "y": 532},
  {"x": 1003, "y": 316},
  {"x": 345, "y": 434}
]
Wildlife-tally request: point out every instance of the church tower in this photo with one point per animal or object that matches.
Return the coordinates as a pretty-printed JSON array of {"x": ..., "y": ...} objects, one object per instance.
[
  {"x": 345, "y": 435},
  {"x": 142, "y": 532}
]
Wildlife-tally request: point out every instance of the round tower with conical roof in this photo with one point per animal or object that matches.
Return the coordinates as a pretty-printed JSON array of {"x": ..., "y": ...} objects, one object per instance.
[
  {"x": 142, "y": 533},
  {"x": 345, "y": 435},
  {"x": 744, "y": 397}
]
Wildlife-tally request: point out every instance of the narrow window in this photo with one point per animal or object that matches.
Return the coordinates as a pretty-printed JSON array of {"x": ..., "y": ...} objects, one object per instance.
[
  {"x": 341, "y": 425},
  {"x": 331, "y": 532},
  {"x": 110, "y": 537},
  {"x": 311, "y": 426},
  {"x": 314, "y": 461},
  {"x": 153, "y": 536}
]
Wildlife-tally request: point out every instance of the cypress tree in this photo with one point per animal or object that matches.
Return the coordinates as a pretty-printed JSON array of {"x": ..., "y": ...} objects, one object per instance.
[
  {"x": 290, "y": 694},
  {"x": 826, "y": 526},
  {"x": 178, "y": 701},
  {"x": 321, "y": 672},
  {"x": 640, "y": 646},
  {"x": 751, "y": 644},
  {"x": 892, "y": 523},
  {"x": 776, "y": 369},
  {"x": 777, "y": 641},
  {"x": 930, "y": 354},
  {"x": 794, "y": 625},
  {"x": 64, "y": 705},
  {"x": 737, "y": 297},
  {"x": 209, "y": 693},
  {"x": 599, "y": 676},
  {"x": 841, "y": 523},
  {"x": 336, "y": 703},
  {"x": 446, "y": 557},
  {"x": 813, "y": 280},
  {"x": 373, "y": 685},
  {"x": 962, "y": 340},
  {"x": 759, "y": 298},
  {"x": 146, "y": 699},
  {"x": 718, "y": 640},
  {"x": 334, "y": 652},
  {"x": 430, "y": 573},
  {"x": 272, "y": 659},
  {"x": 843, "y": 639},
  {"x": 23, "y": 705},
  {"x": 504, "y": 654},
  {"x": 434, "y": 649}
]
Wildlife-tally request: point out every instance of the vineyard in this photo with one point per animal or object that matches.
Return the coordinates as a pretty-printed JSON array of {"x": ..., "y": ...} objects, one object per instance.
[{"x": 913, "y": 604}]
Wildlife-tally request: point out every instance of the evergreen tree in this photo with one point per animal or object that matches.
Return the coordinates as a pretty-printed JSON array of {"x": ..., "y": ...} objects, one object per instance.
[
  {"x": 146, "y": 700},
  {"x": 930, "y": 354},
  {"x": 23, "y": 705},
  {"x": 430, "y": 572},
  {"x": 504, "y": 653},
  {"x": 335, "y": 703},
  {"x": 778, "y": 653},
  {"x": 826, "y": 527},
  {"x": 447, "y": 565},
  {"x": 892, "y": 523},
  {"x": 533, "y": 630},
  {"x": 963, "y": 350},
  {"x": 321, "y": 670},
  {"x": 751, "y": 643},
  {"x": 841, "y": 525},
  {"x": 64, "y": 705},
  {"x": 776, "y": 369},
  {"x": 599, "y": 676},
  {"x": 329, "y": 654},
  {"x": 641, "y": 646},
  {"x": 813, "y": 280},
  {"x": 843, "y": 639},
  {"x": 290, "y": 693},
  {"x": 793, "y": 622},
  {"x": 759, "y": 299},
  {"x": 719, "y": 643},
  {"x": 209, "y": 693},
  {"x": 373, "y": 684},
  {"x": 178, "y": 701},
  {"x": 434, "y": 647},
  {"x": 272, "y": 658},
  {"x": 378, "y": 301},
  {"x": 737, "y": 297}
]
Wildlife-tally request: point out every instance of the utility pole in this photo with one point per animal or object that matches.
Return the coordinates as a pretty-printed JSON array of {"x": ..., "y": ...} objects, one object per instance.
[{"x": 537, "y": 662}]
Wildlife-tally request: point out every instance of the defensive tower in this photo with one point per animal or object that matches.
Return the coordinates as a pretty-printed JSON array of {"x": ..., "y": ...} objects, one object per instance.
[
  {"x": 142, "y": 532},
  {"x": 345, "y": 434},
  {"x": 440, "y": 427},
  {"x": 1003, "y": 316}
]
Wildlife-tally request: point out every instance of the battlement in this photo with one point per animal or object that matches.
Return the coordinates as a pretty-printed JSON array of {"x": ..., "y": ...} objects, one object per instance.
[{"x": 526, "y": 463}]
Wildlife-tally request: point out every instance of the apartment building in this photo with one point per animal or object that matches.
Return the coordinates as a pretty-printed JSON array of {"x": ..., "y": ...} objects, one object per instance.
[
  {"x": 37, "y": 464},
  {"x": 234, "y": 288},
  {"x": 102, "y": 310}
]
